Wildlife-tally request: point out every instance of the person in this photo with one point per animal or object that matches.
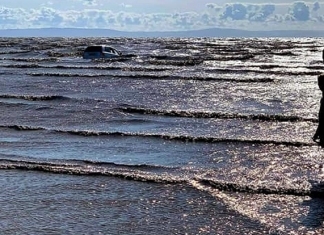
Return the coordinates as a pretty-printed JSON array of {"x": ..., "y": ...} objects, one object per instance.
[{"x": 319, "y": 134}]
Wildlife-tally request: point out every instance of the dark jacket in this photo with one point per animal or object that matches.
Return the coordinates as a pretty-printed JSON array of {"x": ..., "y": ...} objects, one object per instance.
[{"x": 319, "y": 134}]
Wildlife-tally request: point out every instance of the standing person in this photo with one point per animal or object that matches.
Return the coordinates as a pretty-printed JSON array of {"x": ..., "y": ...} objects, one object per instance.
[{"x": 319, "y": 134}]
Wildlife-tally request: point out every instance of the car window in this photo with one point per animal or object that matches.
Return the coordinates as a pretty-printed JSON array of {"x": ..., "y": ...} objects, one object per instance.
[
  {"x": 94, "y": 49},
  {"x": 109, "y": 49}
]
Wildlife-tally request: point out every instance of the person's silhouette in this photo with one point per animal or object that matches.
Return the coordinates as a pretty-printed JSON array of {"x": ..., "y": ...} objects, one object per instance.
[{"x": 319, "y": 134}]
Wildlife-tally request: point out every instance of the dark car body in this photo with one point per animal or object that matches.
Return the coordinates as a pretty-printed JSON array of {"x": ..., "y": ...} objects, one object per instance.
[{"x": 99, "y": 52}]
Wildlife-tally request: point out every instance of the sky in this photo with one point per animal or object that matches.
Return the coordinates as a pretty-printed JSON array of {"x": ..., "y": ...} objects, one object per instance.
[{"x": 162, "y": 15}]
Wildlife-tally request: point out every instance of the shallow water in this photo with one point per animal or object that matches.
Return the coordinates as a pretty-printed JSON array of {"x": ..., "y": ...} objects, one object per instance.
[{"x": 196, "y": 136}]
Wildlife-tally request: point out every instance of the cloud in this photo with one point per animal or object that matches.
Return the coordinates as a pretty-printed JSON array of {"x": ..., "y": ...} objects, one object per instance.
[
  {"x": 214, "y": 7},
  {"x": 300, "y": 11},
  {"x": 12, "y": 16},
  {"x": 236, "y": 15},
  {"x": 125, "y": 5},
  {"x": 90, "y": 2},
  {"x": 236, "y": 11},
  {"x": 297, "y": 11},
  {"x": 252, "y": 12},
  {"x": 261, "y": 13},
  {"x": 316, "y": 6},
  {"x": 48, "y": 15}
]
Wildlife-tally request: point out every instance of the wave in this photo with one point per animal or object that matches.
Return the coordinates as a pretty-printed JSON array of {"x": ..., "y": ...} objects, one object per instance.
[
  {"x": 310, "y": 188},
  {"x": 177, "y": 61},
  {"x": 24, "y": 128},
  {"x": 258, "y": 189},
  {"x": 14, "y": 52},
  {"x": 123, "y": 68},
  {"x": 261, "y": 71},
  {"x": 132, "y": 166},
  {"x": 197, "y": 60},
  {"x": 183, "y": 138},
  {"x": 156, "y": 76},
  {"x": 193, "y": 114},
  {"x": 32, "y": 59},
  {"x": 127, "y": 172},
  {"x": 155, "y": 174},
  {"x": 187, "y": 138},
  {"x": 84, "y": 163},
  {"x": 193, "y": 77},
  {"x": 34, "y": 98},
  {"x": 68, "y": 75},
  {"x": 21, "y": 66}
]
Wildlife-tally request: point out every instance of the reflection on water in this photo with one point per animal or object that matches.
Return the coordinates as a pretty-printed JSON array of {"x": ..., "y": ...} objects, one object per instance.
[{"x": 178, "y": 136}]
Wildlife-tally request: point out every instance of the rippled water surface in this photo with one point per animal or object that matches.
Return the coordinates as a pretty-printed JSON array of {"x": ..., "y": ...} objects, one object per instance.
[{"x": 178, "y": 136}]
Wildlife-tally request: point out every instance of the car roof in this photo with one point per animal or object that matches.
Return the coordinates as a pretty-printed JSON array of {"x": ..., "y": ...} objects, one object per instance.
[{"x": 98, "y": 47}]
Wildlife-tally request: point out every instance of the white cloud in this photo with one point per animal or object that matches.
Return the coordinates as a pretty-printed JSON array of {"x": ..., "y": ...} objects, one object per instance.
[
  {"x": 90, "y": 2},
  {"x": 125, "y": 5},
  {"x": 234, "y": 15}
]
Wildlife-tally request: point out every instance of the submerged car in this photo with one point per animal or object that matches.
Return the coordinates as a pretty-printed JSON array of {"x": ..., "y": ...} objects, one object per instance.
[{"x": 100, "y": 52}]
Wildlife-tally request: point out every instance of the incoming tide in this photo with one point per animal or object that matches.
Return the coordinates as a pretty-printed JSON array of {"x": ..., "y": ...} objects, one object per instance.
[{"x": 177, "y": 136}]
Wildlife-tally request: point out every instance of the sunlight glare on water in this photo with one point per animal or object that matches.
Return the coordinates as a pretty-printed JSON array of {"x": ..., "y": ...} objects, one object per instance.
[{"x": 177, "y": 136}]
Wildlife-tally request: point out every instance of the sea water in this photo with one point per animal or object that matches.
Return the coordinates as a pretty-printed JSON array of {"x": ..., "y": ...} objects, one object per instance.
[{"x": 177, "y": 136}]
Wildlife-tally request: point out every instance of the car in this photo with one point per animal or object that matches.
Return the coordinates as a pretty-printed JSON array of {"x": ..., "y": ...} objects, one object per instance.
[{"x": 100, "y": 52}]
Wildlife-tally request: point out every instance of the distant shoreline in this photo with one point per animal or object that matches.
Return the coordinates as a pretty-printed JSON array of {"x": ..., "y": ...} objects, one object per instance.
[{"x": 213, "y": 32}]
